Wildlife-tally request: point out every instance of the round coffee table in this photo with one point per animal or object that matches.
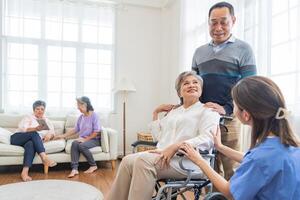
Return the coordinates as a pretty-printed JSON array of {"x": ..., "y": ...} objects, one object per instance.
[{"x": 49, "y": 190}]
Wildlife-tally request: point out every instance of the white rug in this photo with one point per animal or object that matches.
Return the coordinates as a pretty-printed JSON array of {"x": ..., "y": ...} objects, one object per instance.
[{"x": 49, "y": 190}]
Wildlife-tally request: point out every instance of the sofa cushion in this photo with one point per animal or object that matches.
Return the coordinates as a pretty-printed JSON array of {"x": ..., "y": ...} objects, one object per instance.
[
  {"x": 54, "y": 146},
  {"x": 59, "y": 127},
  {"x": 5, "y": 136},
  {"x": 71, "y": 121},
  {"x": 11, "y": 150},
  {"x": 94, "y": 150},
  {"x": 10, "y": 121}
]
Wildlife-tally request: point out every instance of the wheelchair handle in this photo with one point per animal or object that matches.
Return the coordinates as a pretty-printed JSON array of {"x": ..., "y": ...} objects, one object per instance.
[
  {"x": 147, "y": 143},
  {"x": 205, "y": 152},
  {"x": 227, "y": 117}
]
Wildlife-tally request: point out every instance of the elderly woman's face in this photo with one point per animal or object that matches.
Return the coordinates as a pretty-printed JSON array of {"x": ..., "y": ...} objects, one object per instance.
[
  {"x": 81, "y": 107},
  {"x": 39, "y": 111},
  {"x": 190, "y": 88}
]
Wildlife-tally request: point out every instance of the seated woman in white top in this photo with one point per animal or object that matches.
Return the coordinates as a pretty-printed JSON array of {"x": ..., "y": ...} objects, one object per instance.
[
  {"x": 191, "y": 123},
  {"x": 31, "y": 135}
]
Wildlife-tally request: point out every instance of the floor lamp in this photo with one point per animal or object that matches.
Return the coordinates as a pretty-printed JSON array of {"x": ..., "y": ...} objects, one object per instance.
[{"x": 125, "y": 86}]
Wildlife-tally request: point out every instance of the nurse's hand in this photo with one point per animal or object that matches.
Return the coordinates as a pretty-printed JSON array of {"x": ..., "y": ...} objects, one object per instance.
[
  {"x": 217, "y": 139},
  {"x": 190, "y": 152}
]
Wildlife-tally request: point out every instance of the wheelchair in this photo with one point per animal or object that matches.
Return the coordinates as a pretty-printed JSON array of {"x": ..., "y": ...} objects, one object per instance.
[{"x": 169, "y": 189}]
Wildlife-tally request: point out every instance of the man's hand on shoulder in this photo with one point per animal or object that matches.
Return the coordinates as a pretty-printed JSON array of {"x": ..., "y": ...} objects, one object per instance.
[
  {"x": 164, "y": 108},
  {"x": 215, "y": 107}
]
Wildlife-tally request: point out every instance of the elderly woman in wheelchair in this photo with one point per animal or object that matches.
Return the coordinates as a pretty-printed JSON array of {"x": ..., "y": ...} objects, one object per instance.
[
  {"x": 271, "y": 168},
  {"x": 191, "y": 123}
]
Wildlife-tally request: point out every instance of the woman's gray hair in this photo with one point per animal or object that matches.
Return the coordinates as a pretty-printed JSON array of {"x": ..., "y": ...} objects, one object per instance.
[
  {"x": 182, "y": 76},
  {"x": 38, "y": 103},
  {"x": 85, "y": 100}
]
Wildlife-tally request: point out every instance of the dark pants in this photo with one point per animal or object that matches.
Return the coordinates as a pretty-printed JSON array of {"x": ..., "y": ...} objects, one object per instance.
[
  {"x": 83, "y": 148},
  {"x": 32, "y": 144}
]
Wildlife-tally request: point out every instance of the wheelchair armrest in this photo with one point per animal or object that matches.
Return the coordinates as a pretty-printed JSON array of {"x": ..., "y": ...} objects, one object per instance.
[
  {"x": 204, "y": 154},
  {"x": 146, "y": 143}
]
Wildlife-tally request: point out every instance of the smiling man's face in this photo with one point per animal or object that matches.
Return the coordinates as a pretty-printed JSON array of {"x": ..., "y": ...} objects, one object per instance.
[{"x": 220, "y": 24}]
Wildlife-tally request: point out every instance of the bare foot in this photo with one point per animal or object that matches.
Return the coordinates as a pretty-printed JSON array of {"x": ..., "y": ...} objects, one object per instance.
[
  {"x": 73, "y": 173},
  {"x": 91, "y": 169},
  {"x": 25, "y": 177}
]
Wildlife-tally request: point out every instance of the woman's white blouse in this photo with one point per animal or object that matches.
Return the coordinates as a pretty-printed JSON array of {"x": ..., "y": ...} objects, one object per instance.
[
  {"x": 31, "y": 122},
  {"x": 195, "y": 125}
]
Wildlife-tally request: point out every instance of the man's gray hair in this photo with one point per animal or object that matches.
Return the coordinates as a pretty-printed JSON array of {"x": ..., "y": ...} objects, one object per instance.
[{"x": 182, "y": 76}]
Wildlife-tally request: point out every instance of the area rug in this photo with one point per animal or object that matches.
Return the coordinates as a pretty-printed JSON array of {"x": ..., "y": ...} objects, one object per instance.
[{"x": 49, "y": 190}]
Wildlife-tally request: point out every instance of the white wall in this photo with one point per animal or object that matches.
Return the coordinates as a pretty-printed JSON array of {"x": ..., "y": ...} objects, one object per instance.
[
  {"x": 147, "y": 53},
  {"x": 138, "y": 54},
  {"x": 170, "y": 50}
]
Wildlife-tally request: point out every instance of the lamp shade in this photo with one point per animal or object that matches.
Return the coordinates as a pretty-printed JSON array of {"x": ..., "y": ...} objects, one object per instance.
[{"x": 125, "y": 85}]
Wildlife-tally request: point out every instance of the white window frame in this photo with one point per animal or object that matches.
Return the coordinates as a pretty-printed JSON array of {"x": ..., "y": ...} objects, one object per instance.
[{"x": 43, "y": 44}]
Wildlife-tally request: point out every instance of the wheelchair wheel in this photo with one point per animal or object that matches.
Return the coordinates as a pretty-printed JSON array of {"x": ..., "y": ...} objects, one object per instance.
[{"x": 215, "y": 196}]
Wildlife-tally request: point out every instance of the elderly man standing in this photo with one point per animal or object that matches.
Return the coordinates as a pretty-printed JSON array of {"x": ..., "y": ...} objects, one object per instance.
[{"x": 222, "y": 63}]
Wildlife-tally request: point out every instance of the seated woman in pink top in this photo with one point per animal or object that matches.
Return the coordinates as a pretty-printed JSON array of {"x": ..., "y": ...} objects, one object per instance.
[
  {"x": 31, "y": 135},
  {"x": 86, "y": 130}
]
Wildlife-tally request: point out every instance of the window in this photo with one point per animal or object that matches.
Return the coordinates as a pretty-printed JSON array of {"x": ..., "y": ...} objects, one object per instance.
[
  {"x": 194, "y": 30},
  {"x": 56, "y": 50},
  {"x": 273, "y": 31}
]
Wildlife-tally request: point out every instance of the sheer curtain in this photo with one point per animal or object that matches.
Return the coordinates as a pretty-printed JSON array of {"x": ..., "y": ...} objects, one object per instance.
[
  {"x": 56, "y": 50},
  {"x": 272, "y": 28}
]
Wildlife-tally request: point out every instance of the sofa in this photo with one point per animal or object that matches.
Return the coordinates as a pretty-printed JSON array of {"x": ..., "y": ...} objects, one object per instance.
[{"x": 57, "y": 150}]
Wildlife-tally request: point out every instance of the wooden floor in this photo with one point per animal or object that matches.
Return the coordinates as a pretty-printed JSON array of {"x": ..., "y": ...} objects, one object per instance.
[{"x": 101, "y": 179}]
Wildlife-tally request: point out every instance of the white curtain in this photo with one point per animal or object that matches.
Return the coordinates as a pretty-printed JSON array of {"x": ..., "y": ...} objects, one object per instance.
[
  {"x": 56, "y": 50},
  {"x": 272, "y": 28}
]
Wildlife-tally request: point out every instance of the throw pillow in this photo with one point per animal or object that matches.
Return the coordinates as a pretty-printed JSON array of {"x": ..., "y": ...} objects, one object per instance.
[{"x": 5, "y": 136}]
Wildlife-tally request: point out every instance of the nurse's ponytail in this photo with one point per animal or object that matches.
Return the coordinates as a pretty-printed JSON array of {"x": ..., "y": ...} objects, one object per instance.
[{"x": 263, "y": 100}]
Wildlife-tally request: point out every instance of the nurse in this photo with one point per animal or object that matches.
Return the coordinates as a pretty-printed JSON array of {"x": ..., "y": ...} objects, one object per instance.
[{"x": 271, "y": 168}]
